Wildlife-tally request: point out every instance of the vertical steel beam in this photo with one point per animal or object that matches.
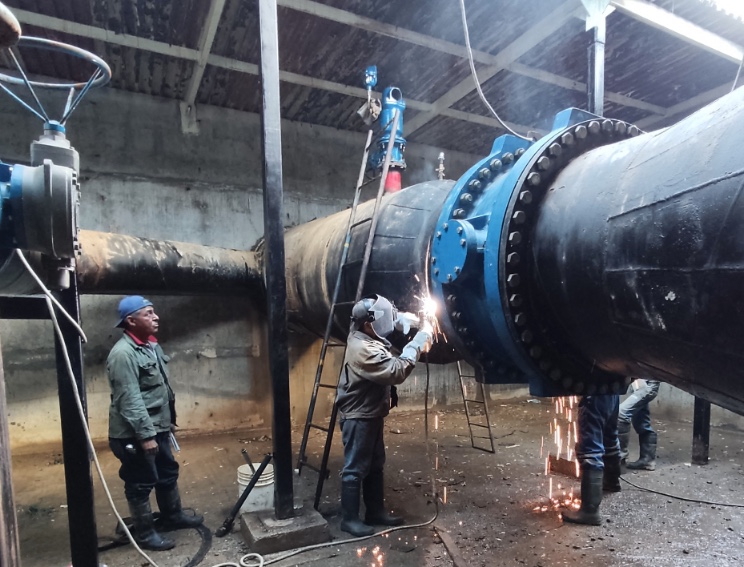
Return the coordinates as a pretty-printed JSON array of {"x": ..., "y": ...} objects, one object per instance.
[
  {"x": 595, "y": 83},
  {"x": 78, "y": 478},
  {"x": 9, "y": 547},
  {"x": 701, "y": 432},
  {"x": 276, "y": 285}
]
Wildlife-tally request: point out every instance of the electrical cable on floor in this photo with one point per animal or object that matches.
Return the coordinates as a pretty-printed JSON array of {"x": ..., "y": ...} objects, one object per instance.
[
  {"x": 475, "y": 76},
  {"x": 243, "y": 562},
  {"x": 694, "y": 500}
]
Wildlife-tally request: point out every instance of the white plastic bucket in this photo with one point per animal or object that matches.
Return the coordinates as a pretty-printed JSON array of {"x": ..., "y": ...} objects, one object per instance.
[{"x": 262, "y": 495}]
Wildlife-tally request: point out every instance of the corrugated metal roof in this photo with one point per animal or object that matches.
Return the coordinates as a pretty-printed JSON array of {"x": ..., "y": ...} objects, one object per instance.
[{"x": 643, "y": 63}]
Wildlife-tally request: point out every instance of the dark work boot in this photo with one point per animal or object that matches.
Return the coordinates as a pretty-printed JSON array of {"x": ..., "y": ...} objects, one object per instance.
[
  {"x": 350, "y": 508},
  {"x": 171, "y": 512},
  {"x": 647, "y": 460},
  {"x": 611, "y": 477},
  {"x": 591, "y": 497},
  {"x": 623, "y": 435},
  {"x": 144, "y": 530},
  {"x": 374, "y": 501}
]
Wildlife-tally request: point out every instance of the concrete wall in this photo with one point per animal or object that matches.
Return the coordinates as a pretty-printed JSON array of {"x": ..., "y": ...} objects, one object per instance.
[{"x": 141, "y": 176}]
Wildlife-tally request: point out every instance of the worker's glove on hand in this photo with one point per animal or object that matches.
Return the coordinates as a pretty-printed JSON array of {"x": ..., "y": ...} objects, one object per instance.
[
  {"x": 405, "y": 321},
  {"x": 420, "y": 343}
]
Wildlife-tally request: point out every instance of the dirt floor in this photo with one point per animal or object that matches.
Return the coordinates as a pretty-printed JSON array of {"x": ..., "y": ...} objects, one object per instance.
[{"x": 492, "y": 516}]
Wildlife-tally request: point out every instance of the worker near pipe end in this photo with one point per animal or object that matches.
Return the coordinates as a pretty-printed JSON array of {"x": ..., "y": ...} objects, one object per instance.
[
  {"x": 634, "y": 410},
  {"x": 369, "y": 373},
  {"x": 142, "y": 419},
  {"x": 598, "y": 453}
]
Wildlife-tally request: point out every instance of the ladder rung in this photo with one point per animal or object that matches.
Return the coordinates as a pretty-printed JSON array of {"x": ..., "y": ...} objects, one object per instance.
[
  {"x": 479, "y": 425},
  {"x": 321, "y": 427},
  {"x": 327, "y": 386},
  {"x": 476, "y": 402}
]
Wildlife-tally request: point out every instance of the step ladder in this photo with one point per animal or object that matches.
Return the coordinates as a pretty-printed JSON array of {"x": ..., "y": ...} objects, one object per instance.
[
  {"x": 344, "y": 264},
  {"x": 473, "y": 396}
]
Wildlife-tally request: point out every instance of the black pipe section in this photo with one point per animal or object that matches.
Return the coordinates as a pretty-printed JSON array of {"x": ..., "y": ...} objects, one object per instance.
[
  {"x": 120, "y": 264},
  {"x": 398, "y": 264},
  {"x": 639, "y": 256},
  {"x": 276, "y": 286},
  {"x": 78, "y": 478},
  {"x": 701, "y": 432}
]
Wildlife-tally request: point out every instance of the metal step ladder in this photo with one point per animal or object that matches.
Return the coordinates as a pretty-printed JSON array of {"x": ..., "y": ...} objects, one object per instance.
[
  {"x": 478, "y": 398},
  {"x": 344, "y": 264}
]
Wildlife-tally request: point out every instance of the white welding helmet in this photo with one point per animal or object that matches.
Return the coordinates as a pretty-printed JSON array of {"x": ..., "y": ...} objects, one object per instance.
[{"x": 378, "y": 311}]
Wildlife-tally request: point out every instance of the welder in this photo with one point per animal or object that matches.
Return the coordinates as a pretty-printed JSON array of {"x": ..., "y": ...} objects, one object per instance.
[
  {"x": 634, "y": 410},
  {"x": 369, "y": 373},
  {"x": 598, "y": 453}
]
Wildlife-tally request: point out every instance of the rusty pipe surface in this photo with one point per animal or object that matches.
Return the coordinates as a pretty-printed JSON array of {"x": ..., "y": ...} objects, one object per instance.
[{"x": 118, "y": 264}]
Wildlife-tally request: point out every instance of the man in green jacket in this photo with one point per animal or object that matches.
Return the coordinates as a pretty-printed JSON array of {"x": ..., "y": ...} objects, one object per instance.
[{"x": 141, "y": 420}]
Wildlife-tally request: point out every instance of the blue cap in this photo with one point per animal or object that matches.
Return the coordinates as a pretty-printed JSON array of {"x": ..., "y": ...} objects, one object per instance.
[{"x": 129, "y": 305}]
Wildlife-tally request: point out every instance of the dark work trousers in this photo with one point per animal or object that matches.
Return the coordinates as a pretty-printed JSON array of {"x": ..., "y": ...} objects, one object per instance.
[
  {"x": 364, "y": 448},
  {"x": 141, "y": 473},
  {"x": 597, "y": 430}
]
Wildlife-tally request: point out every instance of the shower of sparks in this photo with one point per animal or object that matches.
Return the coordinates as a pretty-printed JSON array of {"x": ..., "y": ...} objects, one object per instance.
[
  {"x": 436, "y": 422},
  {"x": 428, "y": 312},
  {"x": 562, "y": 431}
]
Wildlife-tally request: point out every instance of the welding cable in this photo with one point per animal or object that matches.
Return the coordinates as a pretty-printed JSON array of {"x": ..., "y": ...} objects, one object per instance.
[
  {"x": 694, "y": 500},
  {"x": 475, "y": 76},
  {"x": 83, "y": 420},
  {"x": 243, "y": 562},
  {"x": 49, "y": 295}
]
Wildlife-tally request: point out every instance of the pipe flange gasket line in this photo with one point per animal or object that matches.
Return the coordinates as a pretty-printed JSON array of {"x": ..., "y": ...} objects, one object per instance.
[{"x": 528, "y": 324}]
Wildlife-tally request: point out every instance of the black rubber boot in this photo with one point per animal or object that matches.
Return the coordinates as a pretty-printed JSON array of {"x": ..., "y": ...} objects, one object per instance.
[
  {"x": 591, "y": 497},
  {"x": 171, "y": 512},
  {"x": 611, "y": 477},
  {"x": 144, "y": 530},
  {"x": 351, "y": 523},
  {"x": 623, "y": 434},
  {"x": 647, "y": 460},
  {"x": 374, "y": 501}
]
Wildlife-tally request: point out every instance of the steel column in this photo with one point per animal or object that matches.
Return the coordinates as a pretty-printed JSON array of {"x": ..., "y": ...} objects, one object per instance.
[
  {"x": 595, "y": 83},
  {"x": 701, "y": 432},
  {"x": 9, "y": 545},
  {"x": 78, "y": 479},
  {"x": 276, "y": 284}
]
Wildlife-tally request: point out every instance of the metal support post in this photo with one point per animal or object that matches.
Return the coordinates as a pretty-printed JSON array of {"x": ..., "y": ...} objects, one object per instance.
[
  {"x": 9, "y": 545},
  {"x": 276, "y": 285},
  {"x": 701, "y": 432},
  {"x": 78, "y": 478},
  {"x": 596, "y": 78}
]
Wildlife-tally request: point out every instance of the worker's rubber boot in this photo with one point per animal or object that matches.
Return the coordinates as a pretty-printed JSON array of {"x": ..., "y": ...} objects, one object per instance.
[
  {"x": 351, "y": 523},
  {"x": 144, "y": 527},
  {"x": 591, "y": 497},
  {"x": 611, "y": 476},
  {"x": 647, "y": 460},
  {"x": 623, "y": 435},
  {"x": 171, "y": 512},
  {"x": 374, "y": 501}
]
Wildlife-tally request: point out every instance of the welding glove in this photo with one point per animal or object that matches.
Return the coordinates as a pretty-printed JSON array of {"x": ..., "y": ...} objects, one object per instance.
[
  {"x": 405, "y": 321},
  {"x": 420, "y": 343}
]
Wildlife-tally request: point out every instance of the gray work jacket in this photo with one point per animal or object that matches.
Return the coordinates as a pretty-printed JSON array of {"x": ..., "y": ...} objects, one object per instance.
[
  {"x": 368, "y": 372},
  {"x": 140, "y": 392}
]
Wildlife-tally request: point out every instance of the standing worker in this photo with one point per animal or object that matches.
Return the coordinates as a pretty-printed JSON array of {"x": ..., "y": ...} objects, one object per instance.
[
  {"x": 364, "y": 399},
  {"x": 141, "y": 421},
  {"x": 635, "y": 410},
  {"x": 598, "y": 452}
]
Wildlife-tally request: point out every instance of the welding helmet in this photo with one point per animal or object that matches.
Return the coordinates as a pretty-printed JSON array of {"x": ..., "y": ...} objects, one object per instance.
[{"x": 377, "y": 311}]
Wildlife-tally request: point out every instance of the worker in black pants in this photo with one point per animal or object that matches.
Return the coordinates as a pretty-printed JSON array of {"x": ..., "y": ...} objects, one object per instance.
[
  {"x": 364, "y": 399},
  {"x": 598, "y": 452}
]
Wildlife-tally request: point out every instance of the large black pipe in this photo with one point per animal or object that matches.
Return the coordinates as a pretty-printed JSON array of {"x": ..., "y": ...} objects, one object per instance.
[{"x": 639, "y": 255}]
